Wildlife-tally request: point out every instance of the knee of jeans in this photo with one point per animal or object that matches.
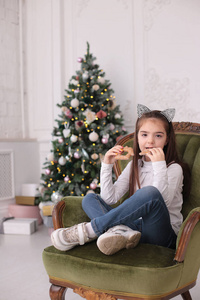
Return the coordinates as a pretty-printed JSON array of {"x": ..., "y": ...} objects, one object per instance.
[
  {"x": 87, "y": 199},
  {"x": 153, "y": 192}
]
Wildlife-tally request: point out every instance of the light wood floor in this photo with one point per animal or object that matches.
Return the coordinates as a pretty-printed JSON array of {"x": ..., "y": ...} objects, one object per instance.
[{"x": 22, "y": 274}]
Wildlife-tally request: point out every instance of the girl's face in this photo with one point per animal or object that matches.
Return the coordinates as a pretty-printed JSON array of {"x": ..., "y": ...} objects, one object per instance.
[{"x": 152, "y": 134}]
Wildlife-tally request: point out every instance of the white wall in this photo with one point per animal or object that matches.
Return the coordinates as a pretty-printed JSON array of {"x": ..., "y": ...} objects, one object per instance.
[
  {"x": 13, "y": 109},
  {"x": 148, "y": 49}
]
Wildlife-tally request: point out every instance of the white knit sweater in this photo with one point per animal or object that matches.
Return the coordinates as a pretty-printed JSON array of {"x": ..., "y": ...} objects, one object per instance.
[{"x": 168, "y": 180}]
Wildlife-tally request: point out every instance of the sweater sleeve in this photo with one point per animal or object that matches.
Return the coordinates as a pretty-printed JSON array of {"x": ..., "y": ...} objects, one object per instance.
[
  {"x": 168, "y": 180},
  {"x": 110, "y": 192}
]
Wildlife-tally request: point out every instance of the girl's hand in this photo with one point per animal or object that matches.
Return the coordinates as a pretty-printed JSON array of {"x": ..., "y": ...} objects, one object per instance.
[
  {"x": 110, "y": 156},
  {"x": 156, "y": 154}
]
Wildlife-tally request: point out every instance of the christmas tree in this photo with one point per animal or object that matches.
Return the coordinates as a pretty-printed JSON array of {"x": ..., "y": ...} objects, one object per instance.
[{"x": 89, "y": 124}]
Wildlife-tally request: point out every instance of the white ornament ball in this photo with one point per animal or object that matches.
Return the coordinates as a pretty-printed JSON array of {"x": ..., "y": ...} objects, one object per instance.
[
  {"x": 74, "y": 103},
  {"x": 76, "y": 91},
  {"x": 93, "y": 136},
  {"x": 95, "y": 181},
  {"x": 74, "y": 138},
  {"x": 101, "y": 80},
  {"x": 62, "y": 161},
  {"x": 56, "y": 196},
  {"x": 95, "y": 87},
  {"x": 50, "y": 156},
  {"x": 117, "y": 116},
  {"x": 85, "y": 76},
  {"x": 93, "y": 185},
  {"x": 64, "y": 108},
  {"x": 77, "y": 155}
]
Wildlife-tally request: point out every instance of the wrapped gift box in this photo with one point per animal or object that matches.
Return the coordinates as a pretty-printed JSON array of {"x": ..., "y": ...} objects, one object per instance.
[
  {"x": 24, "y": 211},
  {"x": 20, "y": 226},
  {"x": 30, "y": 189},
  {"x": 25, "y": 200},
  {"x": 46, "y": 208}
]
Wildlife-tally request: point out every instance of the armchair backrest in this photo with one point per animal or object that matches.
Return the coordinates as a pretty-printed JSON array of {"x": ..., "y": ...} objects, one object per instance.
[{"x": 188, "y": 144}]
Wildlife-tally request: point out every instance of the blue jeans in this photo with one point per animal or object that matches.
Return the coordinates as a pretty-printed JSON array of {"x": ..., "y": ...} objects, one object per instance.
[{"x": 145, "y": 211}]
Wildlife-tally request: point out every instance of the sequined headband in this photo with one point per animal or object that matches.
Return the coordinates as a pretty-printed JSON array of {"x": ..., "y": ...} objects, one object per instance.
[{"x": 167, "y": 113}]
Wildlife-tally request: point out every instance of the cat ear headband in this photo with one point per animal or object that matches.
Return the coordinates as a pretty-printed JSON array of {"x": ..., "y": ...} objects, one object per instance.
[{"x": 167, "y": 113}]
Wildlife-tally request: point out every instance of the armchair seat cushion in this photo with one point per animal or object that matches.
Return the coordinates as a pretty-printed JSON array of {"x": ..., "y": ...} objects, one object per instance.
[{"x": 138, "y": 270}]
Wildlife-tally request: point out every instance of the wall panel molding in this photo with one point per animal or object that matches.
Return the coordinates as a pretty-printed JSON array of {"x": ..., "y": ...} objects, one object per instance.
[
  {"x": 171, "y": 61},
  {"x": 151, "y": 9},
  {"x": 81, "y": 6},
  {"x": 162, "y": 91},
  {"x": 44, "y": 65}
]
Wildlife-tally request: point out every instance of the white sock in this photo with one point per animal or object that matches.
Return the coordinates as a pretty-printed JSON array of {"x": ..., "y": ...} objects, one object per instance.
[{"x": 90, "y": 231}]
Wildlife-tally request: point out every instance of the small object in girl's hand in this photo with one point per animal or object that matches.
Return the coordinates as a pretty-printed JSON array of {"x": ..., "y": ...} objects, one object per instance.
[
  {"x": 144, "y": 152},
  {"x": 129, "y": 151}
]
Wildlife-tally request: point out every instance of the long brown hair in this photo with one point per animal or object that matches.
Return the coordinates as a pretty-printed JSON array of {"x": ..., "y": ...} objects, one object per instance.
[{"x": 170, "y": 150}]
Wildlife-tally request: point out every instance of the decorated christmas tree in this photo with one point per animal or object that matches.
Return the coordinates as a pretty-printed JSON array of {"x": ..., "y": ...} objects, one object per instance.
[{"x": 89, "y": 124}]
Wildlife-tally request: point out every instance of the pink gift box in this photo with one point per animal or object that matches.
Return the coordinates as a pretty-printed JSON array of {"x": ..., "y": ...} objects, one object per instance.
[{"x": 24, "y": 211}]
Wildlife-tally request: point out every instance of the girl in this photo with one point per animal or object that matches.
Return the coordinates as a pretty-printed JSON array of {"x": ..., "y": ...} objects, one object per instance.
[{"x": 154, "y": 178}]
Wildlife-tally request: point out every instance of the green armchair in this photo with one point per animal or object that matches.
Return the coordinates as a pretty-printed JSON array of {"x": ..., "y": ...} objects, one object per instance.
[{"x": 145, "y": 272}]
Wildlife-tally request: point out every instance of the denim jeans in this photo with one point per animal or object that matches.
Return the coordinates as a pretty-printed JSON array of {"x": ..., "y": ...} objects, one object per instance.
[{"x": 144, "y": 211}]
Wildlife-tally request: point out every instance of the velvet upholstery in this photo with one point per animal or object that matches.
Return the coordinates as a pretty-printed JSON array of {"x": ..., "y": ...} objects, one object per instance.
[
  {"x": 105, "y": 272},
  {"x": 145, "y": 272}
]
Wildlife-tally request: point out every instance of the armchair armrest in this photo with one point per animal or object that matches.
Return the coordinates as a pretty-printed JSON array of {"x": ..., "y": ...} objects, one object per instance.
[
  {"x": 57, "y": 214},
  {"x": 185, "y": 234},
  {"x": 68, "y": 212}
]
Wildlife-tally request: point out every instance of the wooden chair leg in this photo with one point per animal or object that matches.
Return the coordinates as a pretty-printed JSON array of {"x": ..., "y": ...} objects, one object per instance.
[
  {"x": 57, "y": 292},
  {"x": 186, "y": 296},
  {"x": 91, "y": 295}
]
